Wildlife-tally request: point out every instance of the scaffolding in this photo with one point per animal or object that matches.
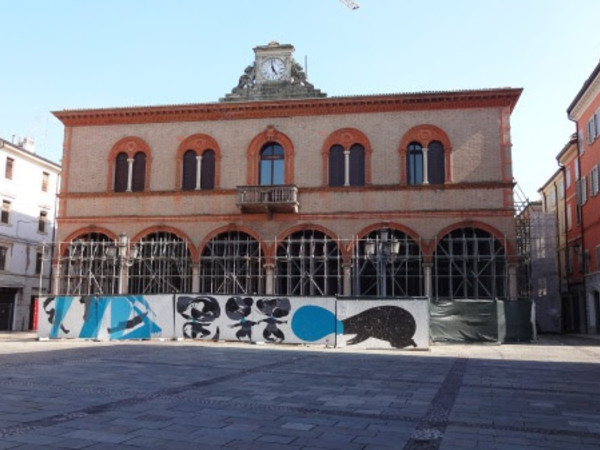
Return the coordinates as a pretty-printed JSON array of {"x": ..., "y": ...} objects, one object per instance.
[
  {"x": 160, "y": 263},
  {"x": 523, "y": 228},
  {"x": 467, "y": 263},
  {"x": 89, "y": 266},
  {"x": 470, "y": 263},
  {"x": 308, "y": 263},
  {"x": 386, "y": 263},
  {"x": 232, "y": 263}
]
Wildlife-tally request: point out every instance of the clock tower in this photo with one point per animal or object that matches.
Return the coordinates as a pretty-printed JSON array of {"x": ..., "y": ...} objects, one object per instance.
[{"x": 274, "y": 75}]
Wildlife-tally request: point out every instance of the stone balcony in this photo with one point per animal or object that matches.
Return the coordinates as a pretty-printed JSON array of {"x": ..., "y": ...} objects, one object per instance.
[{"x": 270, "y": 199}]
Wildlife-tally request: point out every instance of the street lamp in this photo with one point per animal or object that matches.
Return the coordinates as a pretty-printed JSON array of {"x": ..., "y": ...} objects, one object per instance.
[{"x": 382, "y": 250}]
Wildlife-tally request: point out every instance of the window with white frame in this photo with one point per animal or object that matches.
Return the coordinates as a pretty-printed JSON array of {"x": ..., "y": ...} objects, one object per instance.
[
  {"x": 590, "y": 130},
  {"x": 38, "y": 262},
  {"x": 45, "y": 181},
  {"x": 3, "y": 256},
  {"x": 5, "y": 215},
  {"x": 560, "y": 188},
  {"x": 568, "y": 177},
  {"x": 8, "y": 168},
  {"x": 42, "y": 221},
  {"x": 594, "y": 181}
]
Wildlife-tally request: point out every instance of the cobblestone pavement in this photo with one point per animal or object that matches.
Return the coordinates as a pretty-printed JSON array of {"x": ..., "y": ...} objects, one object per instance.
[{"x": 78, "y": 394}]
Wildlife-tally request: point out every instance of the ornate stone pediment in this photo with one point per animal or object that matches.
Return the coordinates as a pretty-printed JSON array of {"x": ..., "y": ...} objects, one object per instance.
[{"x": 292, "y": 83}]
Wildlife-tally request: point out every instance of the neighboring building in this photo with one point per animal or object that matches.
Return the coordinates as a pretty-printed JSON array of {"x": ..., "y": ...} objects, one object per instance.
[
  {"x": 542, "y": 237},
  {"x": 573, "y": 308},
  {"x": 555, "y": 241},
  {"x": 278, "y": 189},
  {"x": 585, "y": 112},
  {"x": 28, "y": 188}
]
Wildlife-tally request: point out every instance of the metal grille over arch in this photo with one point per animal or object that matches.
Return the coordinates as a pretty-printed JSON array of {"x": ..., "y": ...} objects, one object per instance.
[
  {"x": 308, "y": 262},
  {"x": 232, "y": 263},
  {"x": 387, "y": 263},
  {"x": 89, "y": 265},
  {"x": 469, "y": 263},
  {"x": 160, "y": 263}
]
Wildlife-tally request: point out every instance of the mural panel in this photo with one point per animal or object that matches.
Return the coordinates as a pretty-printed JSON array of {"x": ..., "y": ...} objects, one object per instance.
[
  {"x": 120, "y": 317},
  {"x": 250, "y": 319},
  {"x": 289, "y": 320},
  {"x": 384, "y": 324}
]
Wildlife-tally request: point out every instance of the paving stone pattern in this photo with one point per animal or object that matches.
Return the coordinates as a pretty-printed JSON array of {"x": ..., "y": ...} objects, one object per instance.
[{"x": 77, "y": 394}]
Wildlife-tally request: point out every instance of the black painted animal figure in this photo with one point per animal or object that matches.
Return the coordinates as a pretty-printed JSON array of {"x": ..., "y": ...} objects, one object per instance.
[
  {"x": 239, "y": 308},
  {"x": 388, "y": 323},
  {"x": 202, "y": 312},
  {"x": 274, "y": 308}
]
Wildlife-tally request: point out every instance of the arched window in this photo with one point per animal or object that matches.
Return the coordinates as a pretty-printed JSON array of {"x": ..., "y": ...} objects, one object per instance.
[
  {"x": 121, "y": 172},
  {"x": 414, "y": 163},
  {"x": 129, "y": 163},
  {"x": 357, "y": 165},
  {"x": 189, "y": 171},
  {"x": 308, "y": 263},
  {"x": 272, "y": 169},
  {"x": 198, "y": 170},
  {"x": 426, "y": 151},
  {"x": 138, "y": 181},
  {"x": 387, "y": 263},
  {"x": 346, "y": 167},
  {"x": 336, "y": 166},
  {"x": 232, "y": 263},
  {"x": 436, "y": 163},
  {"x": 469, "y": 263}
]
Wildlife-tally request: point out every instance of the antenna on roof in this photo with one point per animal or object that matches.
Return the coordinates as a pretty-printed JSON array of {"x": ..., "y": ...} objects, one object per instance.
[{"x": 350, "y": 4}]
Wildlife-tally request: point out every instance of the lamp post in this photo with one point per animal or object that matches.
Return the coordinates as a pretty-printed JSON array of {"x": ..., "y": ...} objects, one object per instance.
[
  {"x": 382, "y": 251},
  {"x": 127, "y": 256}
]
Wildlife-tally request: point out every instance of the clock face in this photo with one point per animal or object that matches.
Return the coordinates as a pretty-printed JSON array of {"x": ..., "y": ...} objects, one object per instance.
[{"x": 272, "y": 69}]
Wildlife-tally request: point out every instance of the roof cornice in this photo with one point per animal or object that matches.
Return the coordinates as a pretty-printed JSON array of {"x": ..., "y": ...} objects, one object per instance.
[
  {"x": 9, "y": 146},
  {"x": 588, "y": 92},
  {"x": 569, "y": 151},
  {"x": 503, "y": 97}
]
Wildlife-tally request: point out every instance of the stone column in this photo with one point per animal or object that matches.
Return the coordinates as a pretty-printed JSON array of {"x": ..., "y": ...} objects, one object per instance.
[
  {"x": 198, "y": 172},
  {"x": 269, "y": 279},
  {"x": 129, "y": 174},
  {"x": 425, "y": 163},
  {"x": 346, "y": 167},
  {"x": 195, "y": 277},
  {"x": 428, "y": 280},
  {"x": 123, "y": 277},
  {"x": 347, "y": 284},
  {"x": 56, "y": 280}
]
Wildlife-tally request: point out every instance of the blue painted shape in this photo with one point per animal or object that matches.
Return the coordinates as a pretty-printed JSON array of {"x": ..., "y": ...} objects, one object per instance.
[
  {"x": 93, "y": 319},
  {"x": 311, "y": 323},
  {"x": 130, "y": 318},
  {"x": 61, "y": 305}
]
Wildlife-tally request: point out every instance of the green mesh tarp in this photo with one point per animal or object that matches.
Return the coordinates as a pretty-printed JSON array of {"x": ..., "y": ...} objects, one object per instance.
[
  {"x": 480, "y": 321},
  {"x": 519, "y": 326}
]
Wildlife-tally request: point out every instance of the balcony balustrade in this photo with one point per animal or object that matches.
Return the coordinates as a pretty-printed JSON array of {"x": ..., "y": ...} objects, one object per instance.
[{"x": 270, "y": 199}]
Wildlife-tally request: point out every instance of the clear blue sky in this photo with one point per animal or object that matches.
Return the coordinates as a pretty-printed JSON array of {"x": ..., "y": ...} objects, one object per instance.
[{"x": 68, "y": 54}]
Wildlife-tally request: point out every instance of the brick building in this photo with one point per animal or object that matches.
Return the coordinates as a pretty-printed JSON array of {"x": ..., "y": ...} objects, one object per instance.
[
  {"x": 584, "y": 110},
  {"x": 279, "y": 189}
]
